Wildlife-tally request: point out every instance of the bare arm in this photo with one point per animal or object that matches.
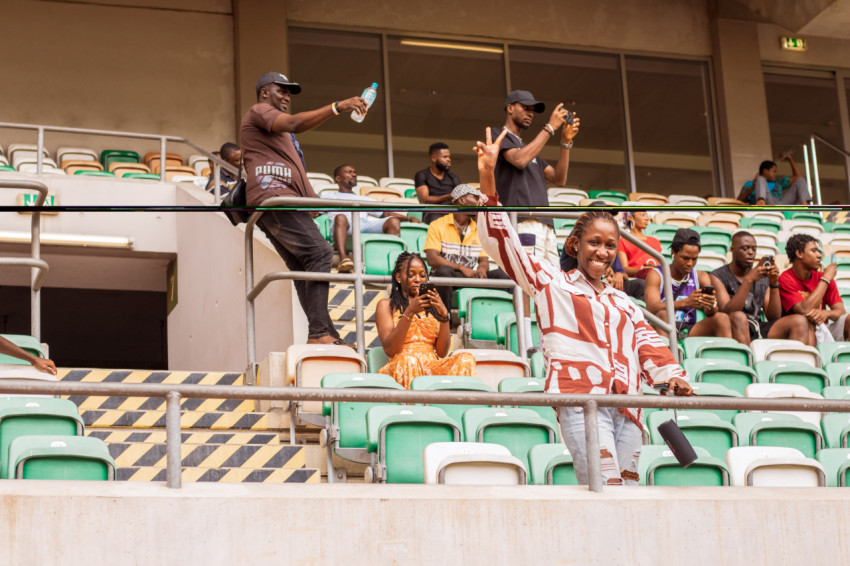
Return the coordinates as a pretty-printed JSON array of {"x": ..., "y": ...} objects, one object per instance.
[
  {"x": 425, "y": 198},
  {"x": 624, "y": 261},
  {"x": 815, "y": 299},
  {"x": 558, "y": 175},
  {"x": 305, "y": 121},
  {"x": 42, "y": 364}
]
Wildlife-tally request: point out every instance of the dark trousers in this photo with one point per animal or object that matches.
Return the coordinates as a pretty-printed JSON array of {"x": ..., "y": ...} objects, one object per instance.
[
  {"x": 298, "y": 241},
  {"x": 634, "y": 287},
  {"x": 446, "y": 271}
]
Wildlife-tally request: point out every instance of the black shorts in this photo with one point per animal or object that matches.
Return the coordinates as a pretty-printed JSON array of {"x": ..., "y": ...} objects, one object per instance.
[{"x": 759, "y": 329}]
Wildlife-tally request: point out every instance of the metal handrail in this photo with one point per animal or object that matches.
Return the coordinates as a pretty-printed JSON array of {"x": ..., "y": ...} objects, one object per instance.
[
  {"x": 218, "y": 163},
  {"x": 38, "y": 265},
  {"x": 814, "y": 180},
  {"x": 252, "y": 291},
  {"x": 174, "y": 392}
]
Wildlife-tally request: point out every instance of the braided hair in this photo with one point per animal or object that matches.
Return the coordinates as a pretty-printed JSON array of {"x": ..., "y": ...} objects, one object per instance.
[
  {"x": 585, "y": 220},
  {"x": 398, "y": 296}
]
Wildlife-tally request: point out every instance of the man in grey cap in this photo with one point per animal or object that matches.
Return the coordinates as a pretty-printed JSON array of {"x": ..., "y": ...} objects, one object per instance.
[
  {"x": 521, "y": 175},
  {"x": 275, "y": 167},
  {"x": 452, "y": 248}
]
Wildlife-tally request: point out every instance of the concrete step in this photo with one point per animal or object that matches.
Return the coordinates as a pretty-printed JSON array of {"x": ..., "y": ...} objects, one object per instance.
[
  {"x": 188, "y": 420},
  {"x": 141, "y": 454},
  {"x": 223, "y": 475},
  {"x": 92, "y": 403},
  {"x": 150, "y": 376},
  {"x": 158, "y": 437}
]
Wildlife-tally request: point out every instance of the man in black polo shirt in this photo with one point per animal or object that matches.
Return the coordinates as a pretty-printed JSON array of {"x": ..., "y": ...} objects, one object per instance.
[{"x": 434, "y": 184}]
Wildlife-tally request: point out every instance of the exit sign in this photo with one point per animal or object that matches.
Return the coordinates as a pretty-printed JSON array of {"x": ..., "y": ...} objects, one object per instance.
[
  {"x": 793, "y": 43},
  {"x": 29, "y": 199}
]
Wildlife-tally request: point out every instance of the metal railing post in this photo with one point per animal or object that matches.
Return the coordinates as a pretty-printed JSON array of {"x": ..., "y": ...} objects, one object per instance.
[
  {"x": 172, "y": 440},
  {"x": 591, "y": 439},
  {"x": 815, "y": 172},
  {"x": 250, "y": 328},
  {"x": 217, "y": 181},
  {"x": 35, "y": 252},
  {"x": 39, "y": 160},
  {"x": 357, "y": 258},
  {"x": 806, "y": 165},
  {"x": 162, "y": 159},
  {"x": 519, "y": 308}
]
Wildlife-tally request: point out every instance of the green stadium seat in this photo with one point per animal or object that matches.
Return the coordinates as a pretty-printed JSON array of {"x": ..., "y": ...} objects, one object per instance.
[
  {"x": 836, "y": 465},
  {"x": 516, "y": 429},
  {"x": 614, "y": 196},
  {"x": 529, "y": 385},
  {"x": 836, "y": 428},
  {"x": 478, "y": 312},
  {"x": 834, "y": 352},
  {"x": 7, "y": 168},
  {"x": 507, "y": 329},
  {"x": 450, "y": 383},
  {"x": 396, "y": 437},
  {"x": 142, "y": 176},
  {"x": 414, "y": 236},
  {"x": 410, "y": 193},
  {"x": 110, "y": 156},
  {"x": 376, "y": 358},
  {"x": 778, "y": 429},
  {"x": 836, "y": 227},
  {"x": 717, "y": 348},
  {"x": 661, "y": 230},
  {"x": 345, "y": 433},
  {"x": 716, "y": 390},
  {"x": 56, "y": 457},
  {"x": 658, "y": 466},
  {"x": 95, "y": 174},
  {"x": 551, "y": 464},
  {"x": 377, "y": 253},
  {"x": 538, "y": 365},
  {"x": 323, "y": 222},
  {"x": 798, "y": 373},
  {"x": 803, "y": 215},
  {"x": 701, "y": 428},
  {"x": 713, "y": 235},
  {"x": 761, "y": 224},
  {"x": 25, "y": 342},
  {"x": 24, "y": 416},
  {"x": 836, "y": 392},
  {"x": 728, "y": 373},
  {"x": 564, "y": 224}
]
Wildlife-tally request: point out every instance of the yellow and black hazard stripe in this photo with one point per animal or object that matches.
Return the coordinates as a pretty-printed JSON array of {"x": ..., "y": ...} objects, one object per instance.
[
  {"x": 93, "y": 403},
  {"x": 134, "y": 455},
  {"x": 341, "y": 302},
  {"x": 224, "y": 475},
  {"x": 188, "y": 419},
  {"x": 158, "y": 437},
  {"x": 149, "y": 376}
]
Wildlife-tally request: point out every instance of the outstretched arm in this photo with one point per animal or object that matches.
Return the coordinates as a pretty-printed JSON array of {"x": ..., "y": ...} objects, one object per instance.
[
  {"x": 304, "y": 121},
  {"x": 41, "y": 364}
]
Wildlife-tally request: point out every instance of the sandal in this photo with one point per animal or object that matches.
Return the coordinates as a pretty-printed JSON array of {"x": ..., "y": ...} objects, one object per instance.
[
  {"x": 345, "y": 266},
  {"x": 340, "y": 342}
]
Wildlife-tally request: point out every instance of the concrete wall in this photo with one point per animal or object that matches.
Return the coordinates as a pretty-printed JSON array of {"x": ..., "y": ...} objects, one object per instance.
[
  {"x": 145, "y": 523},
  {"x": 206, "y": 331},
  {"x": 147, "y": 66}
]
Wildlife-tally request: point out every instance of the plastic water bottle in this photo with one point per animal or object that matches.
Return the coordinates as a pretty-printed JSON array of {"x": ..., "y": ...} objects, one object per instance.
[{"x": 369, "y": 95}]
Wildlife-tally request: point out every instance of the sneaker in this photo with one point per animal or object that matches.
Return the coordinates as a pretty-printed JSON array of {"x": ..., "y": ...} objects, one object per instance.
[{"x": 345, "y": 266}]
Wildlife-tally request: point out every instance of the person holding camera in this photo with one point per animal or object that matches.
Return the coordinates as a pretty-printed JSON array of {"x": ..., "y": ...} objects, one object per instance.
[
  {"x": 413, "y": 326},
  {"x": 769, "y": 188},
  {"x": 692, "y": 291},
  {"x": 750, "y": 296}
]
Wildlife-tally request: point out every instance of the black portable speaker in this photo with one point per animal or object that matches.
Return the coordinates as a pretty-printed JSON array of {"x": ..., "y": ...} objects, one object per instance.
[{"x": 678, "y": 444}]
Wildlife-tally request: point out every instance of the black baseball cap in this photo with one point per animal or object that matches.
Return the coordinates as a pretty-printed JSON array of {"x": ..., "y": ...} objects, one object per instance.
[
  {"x": 525, "y": 97},
  {"x": 686, "y": 237},
  {"x": 277, "y": 78}
]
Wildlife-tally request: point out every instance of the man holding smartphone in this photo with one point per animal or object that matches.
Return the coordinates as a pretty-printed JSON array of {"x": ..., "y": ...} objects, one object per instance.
[
  {"x": 692, "y": 291},
  {"x": 749, "y": 293}
]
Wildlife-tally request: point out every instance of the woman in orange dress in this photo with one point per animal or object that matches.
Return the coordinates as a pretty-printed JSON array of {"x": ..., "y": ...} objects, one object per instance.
[{"x": 414, "y": 329}]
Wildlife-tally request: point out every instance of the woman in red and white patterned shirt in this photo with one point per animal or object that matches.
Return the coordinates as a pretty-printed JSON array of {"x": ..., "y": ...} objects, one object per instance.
[{"x": 595, "y": 339}]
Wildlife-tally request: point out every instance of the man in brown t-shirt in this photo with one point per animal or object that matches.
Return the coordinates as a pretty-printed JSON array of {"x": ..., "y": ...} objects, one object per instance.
[{"x": 275, "y": 167}]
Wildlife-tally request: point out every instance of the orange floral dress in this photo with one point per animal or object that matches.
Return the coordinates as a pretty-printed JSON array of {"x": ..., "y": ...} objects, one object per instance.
[{"x": 418, "y": 355}]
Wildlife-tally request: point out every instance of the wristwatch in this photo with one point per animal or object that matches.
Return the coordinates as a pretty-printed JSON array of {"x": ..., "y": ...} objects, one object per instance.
[{"x": 567, "y": 145}]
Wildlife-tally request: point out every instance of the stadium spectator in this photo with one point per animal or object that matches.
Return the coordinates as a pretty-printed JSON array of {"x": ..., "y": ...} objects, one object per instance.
[
  {"x": 9, "y": 348},
  {"x": 802, "y": 293},
  {"x": 595, "y": 339},
  {"x": 275, "y": 167},
  {"x": 230, "y": 153},
  {"x": 689, "y": 291},
  {"x": 435, "y": 183},
  {"x": 452, "y": 248},
  {"x": 767, "y": 188},
  {"x": 635, "y": 261},
  {"x": 750, "y": 296},
  {"x": 414, "y": 328},
  {"x": 614, "y": 276},
  {"x": 372, "y": 222},
  {"x": 521, "y": 175}
]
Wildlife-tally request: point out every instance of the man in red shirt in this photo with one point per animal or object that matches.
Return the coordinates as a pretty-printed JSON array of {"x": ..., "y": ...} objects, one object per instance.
[
  {"x": 805, "y": 290},
  {"x": 275, "y": 167}
]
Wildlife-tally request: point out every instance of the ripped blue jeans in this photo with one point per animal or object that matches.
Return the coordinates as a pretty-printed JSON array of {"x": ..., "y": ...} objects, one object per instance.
[{"x": 619, "y": 444}]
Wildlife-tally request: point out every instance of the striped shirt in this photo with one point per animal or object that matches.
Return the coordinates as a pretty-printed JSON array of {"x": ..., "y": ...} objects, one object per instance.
[{"x": 593, "y": 341}]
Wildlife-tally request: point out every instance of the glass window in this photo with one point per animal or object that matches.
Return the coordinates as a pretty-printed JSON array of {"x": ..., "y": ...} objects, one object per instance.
[
  {"x": 588, "y": 84},
  {"x": 672, "y": 135},
  {"x": 798, "y": 107},
  {"x": 442, "y": 91},
  {"x": 331, "y": 66}
]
